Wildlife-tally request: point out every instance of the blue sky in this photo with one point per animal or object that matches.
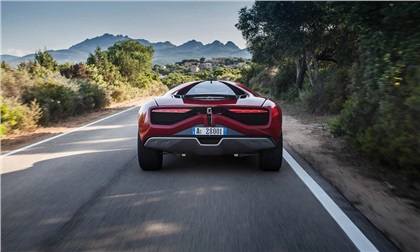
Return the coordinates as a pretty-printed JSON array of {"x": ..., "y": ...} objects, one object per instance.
[{"x": 29, "y": 26}]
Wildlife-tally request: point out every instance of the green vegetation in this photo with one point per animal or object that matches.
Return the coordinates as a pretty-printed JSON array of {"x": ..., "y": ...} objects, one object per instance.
[
  {"x": 359, "y": 60},
  {"x": 229, "y": 69},
  {"x": 42, "y": 66},
  {"x": 174, "y": 79},
  {"x": 41, "y": 92},
  {"x": 16, "y": 117}
]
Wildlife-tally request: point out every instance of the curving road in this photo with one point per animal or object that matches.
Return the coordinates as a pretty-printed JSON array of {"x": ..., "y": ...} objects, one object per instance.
[{"x": 85, "y": 191}]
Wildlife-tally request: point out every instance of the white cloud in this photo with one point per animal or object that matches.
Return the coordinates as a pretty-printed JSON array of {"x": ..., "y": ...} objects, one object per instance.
[{"x": 16, "y": 52}]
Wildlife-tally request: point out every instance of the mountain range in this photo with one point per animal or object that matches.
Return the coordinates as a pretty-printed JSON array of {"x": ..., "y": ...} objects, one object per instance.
[{"x": 165, "y": 52}]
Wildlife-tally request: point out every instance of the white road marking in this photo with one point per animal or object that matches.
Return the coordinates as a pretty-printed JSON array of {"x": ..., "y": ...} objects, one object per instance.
[
  {"x": 63, "y": 134},
  {"x": 353, "y": 232}
]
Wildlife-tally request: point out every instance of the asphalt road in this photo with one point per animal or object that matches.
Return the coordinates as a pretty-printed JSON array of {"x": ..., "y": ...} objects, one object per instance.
[{"x": 85, "y": 191}]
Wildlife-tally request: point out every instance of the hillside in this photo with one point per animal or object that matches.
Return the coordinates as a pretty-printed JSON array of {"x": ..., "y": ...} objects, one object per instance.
[{"x": 165, "y": 52}]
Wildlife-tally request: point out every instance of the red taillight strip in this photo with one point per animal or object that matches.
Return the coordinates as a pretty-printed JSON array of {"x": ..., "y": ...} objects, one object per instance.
[
  {"x": 172, "y": 110},
  {"x": 248, "y": 111}
]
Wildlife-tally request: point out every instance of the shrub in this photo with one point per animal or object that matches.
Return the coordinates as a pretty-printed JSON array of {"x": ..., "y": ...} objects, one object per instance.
[
  {"x": 14, "y": 82},
  {"x": 56, "y": 100},
  {"x": 249, "y": 72},
  {"x": 337, "y": 84},
  {"x": 118, "y": 94},
  {"x": 384, "y": 125},
  {"x": 94, "y": 96},
  {"x": 290, "y": 94},
  {"x": 76, "y": 71},
  {"x": 284, "y": 82},
  {"x": 156, "y": 88},
  {"x": 308, "y": 101},
  {"x": 16, "y": 117}
]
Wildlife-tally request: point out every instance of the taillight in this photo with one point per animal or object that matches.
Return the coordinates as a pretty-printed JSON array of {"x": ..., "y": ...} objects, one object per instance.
[
  {"x": 172, "y": 110},
  {"x": 248, "y": 111}
]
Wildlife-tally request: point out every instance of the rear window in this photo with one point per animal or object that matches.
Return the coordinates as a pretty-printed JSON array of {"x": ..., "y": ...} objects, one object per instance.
[{"x": 210, "y": 88}]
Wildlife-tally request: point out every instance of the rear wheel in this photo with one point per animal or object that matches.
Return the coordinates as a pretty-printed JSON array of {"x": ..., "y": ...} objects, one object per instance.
[
  {"x": 271, "y": 160},
  {"x": 149, "y": 159}
]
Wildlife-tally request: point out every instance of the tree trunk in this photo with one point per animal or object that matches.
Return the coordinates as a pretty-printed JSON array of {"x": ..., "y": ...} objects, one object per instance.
[
  {"x": 308, "y": 59},
  {"x": 313, "y": 74},
  {"x": 300, "y": 72}
]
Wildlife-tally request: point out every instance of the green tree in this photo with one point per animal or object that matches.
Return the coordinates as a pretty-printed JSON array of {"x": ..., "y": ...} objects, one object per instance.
[
  {"x": 34, "y": 68},
  {"x": 46, "y": 60},
  {"x": 382, "y": 117},
  {"x": 132, "y": 59},
  {"x": 109, "y": 72},
  {"x": 278, "y": 33}
]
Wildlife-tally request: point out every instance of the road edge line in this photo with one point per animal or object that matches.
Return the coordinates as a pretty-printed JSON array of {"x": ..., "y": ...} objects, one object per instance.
[
  {"x": 350, "y": 229},
  {"x": 65, "y": 133}
]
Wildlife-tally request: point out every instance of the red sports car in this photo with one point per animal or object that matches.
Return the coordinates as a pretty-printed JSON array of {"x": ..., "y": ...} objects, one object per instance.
[{"x": 210, "y": 118}]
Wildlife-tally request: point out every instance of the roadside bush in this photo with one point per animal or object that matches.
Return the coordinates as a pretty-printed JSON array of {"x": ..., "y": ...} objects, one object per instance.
[
  {"x": 260, "y": 90},
  {"x": 284, "y": 83},
  {"x": 118, "y": 94},
  {"x": 156, "y": 88},
  {"x": 291, "y": 94},
  {"x": 264, "y": 78},
  {"x": 56, "y": 100},
  {"x": 274, "y": 81},
  {"x": 62, "y": 99},
  {"x": 337, "y": 84},
  {"x": 249, "y": 72},
  {"x": 16, "y": 117},
  {"x": 308, "y": 100},
  {"x": 124, "y": 92},
  {"x": 14, "y": 82},
  {"x": 93, "y": 95},
  {"x": 383, "y": 124}
]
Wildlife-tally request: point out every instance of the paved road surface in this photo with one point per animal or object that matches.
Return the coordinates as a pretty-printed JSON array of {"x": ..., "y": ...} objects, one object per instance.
[{"x": 85, "y": 191}]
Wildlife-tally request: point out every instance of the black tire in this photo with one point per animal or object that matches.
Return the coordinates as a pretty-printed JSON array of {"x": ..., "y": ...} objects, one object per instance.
[
  {"x": 149, "y": 159},
  {"x": 271, "y": 160}
]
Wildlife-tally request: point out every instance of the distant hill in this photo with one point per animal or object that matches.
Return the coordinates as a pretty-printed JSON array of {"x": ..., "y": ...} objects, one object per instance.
[
  {"x": 165, "y": 52},
  {"x": 7, "y": 57}
]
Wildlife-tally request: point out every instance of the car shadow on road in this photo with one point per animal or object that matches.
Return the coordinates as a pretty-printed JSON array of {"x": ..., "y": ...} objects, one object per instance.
[{"x": 173, "y": 163}]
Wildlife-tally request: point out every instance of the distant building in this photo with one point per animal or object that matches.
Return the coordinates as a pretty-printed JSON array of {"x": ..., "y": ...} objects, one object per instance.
[
  {"x": 217, "y": 60},
  {"x": 194, "y": 68},
  {"x": 206, "y": 65},
  {"x": 190, "y": 63}
]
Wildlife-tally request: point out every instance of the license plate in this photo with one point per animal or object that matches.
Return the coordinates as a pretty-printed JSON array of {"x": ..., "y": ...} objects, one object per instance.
[{"x": 209, "y": 131}]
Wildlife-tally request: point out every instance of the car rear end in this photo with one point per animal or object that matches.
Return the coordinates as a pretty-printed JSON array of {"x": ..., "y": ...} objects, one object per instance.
[{"x": 212, "y": 118}]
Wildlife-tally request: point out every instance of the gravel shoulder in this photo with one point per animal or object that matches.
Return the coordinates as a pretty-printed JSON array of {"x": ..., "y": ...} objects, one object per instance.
[{"x": 386, "y": 199}]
